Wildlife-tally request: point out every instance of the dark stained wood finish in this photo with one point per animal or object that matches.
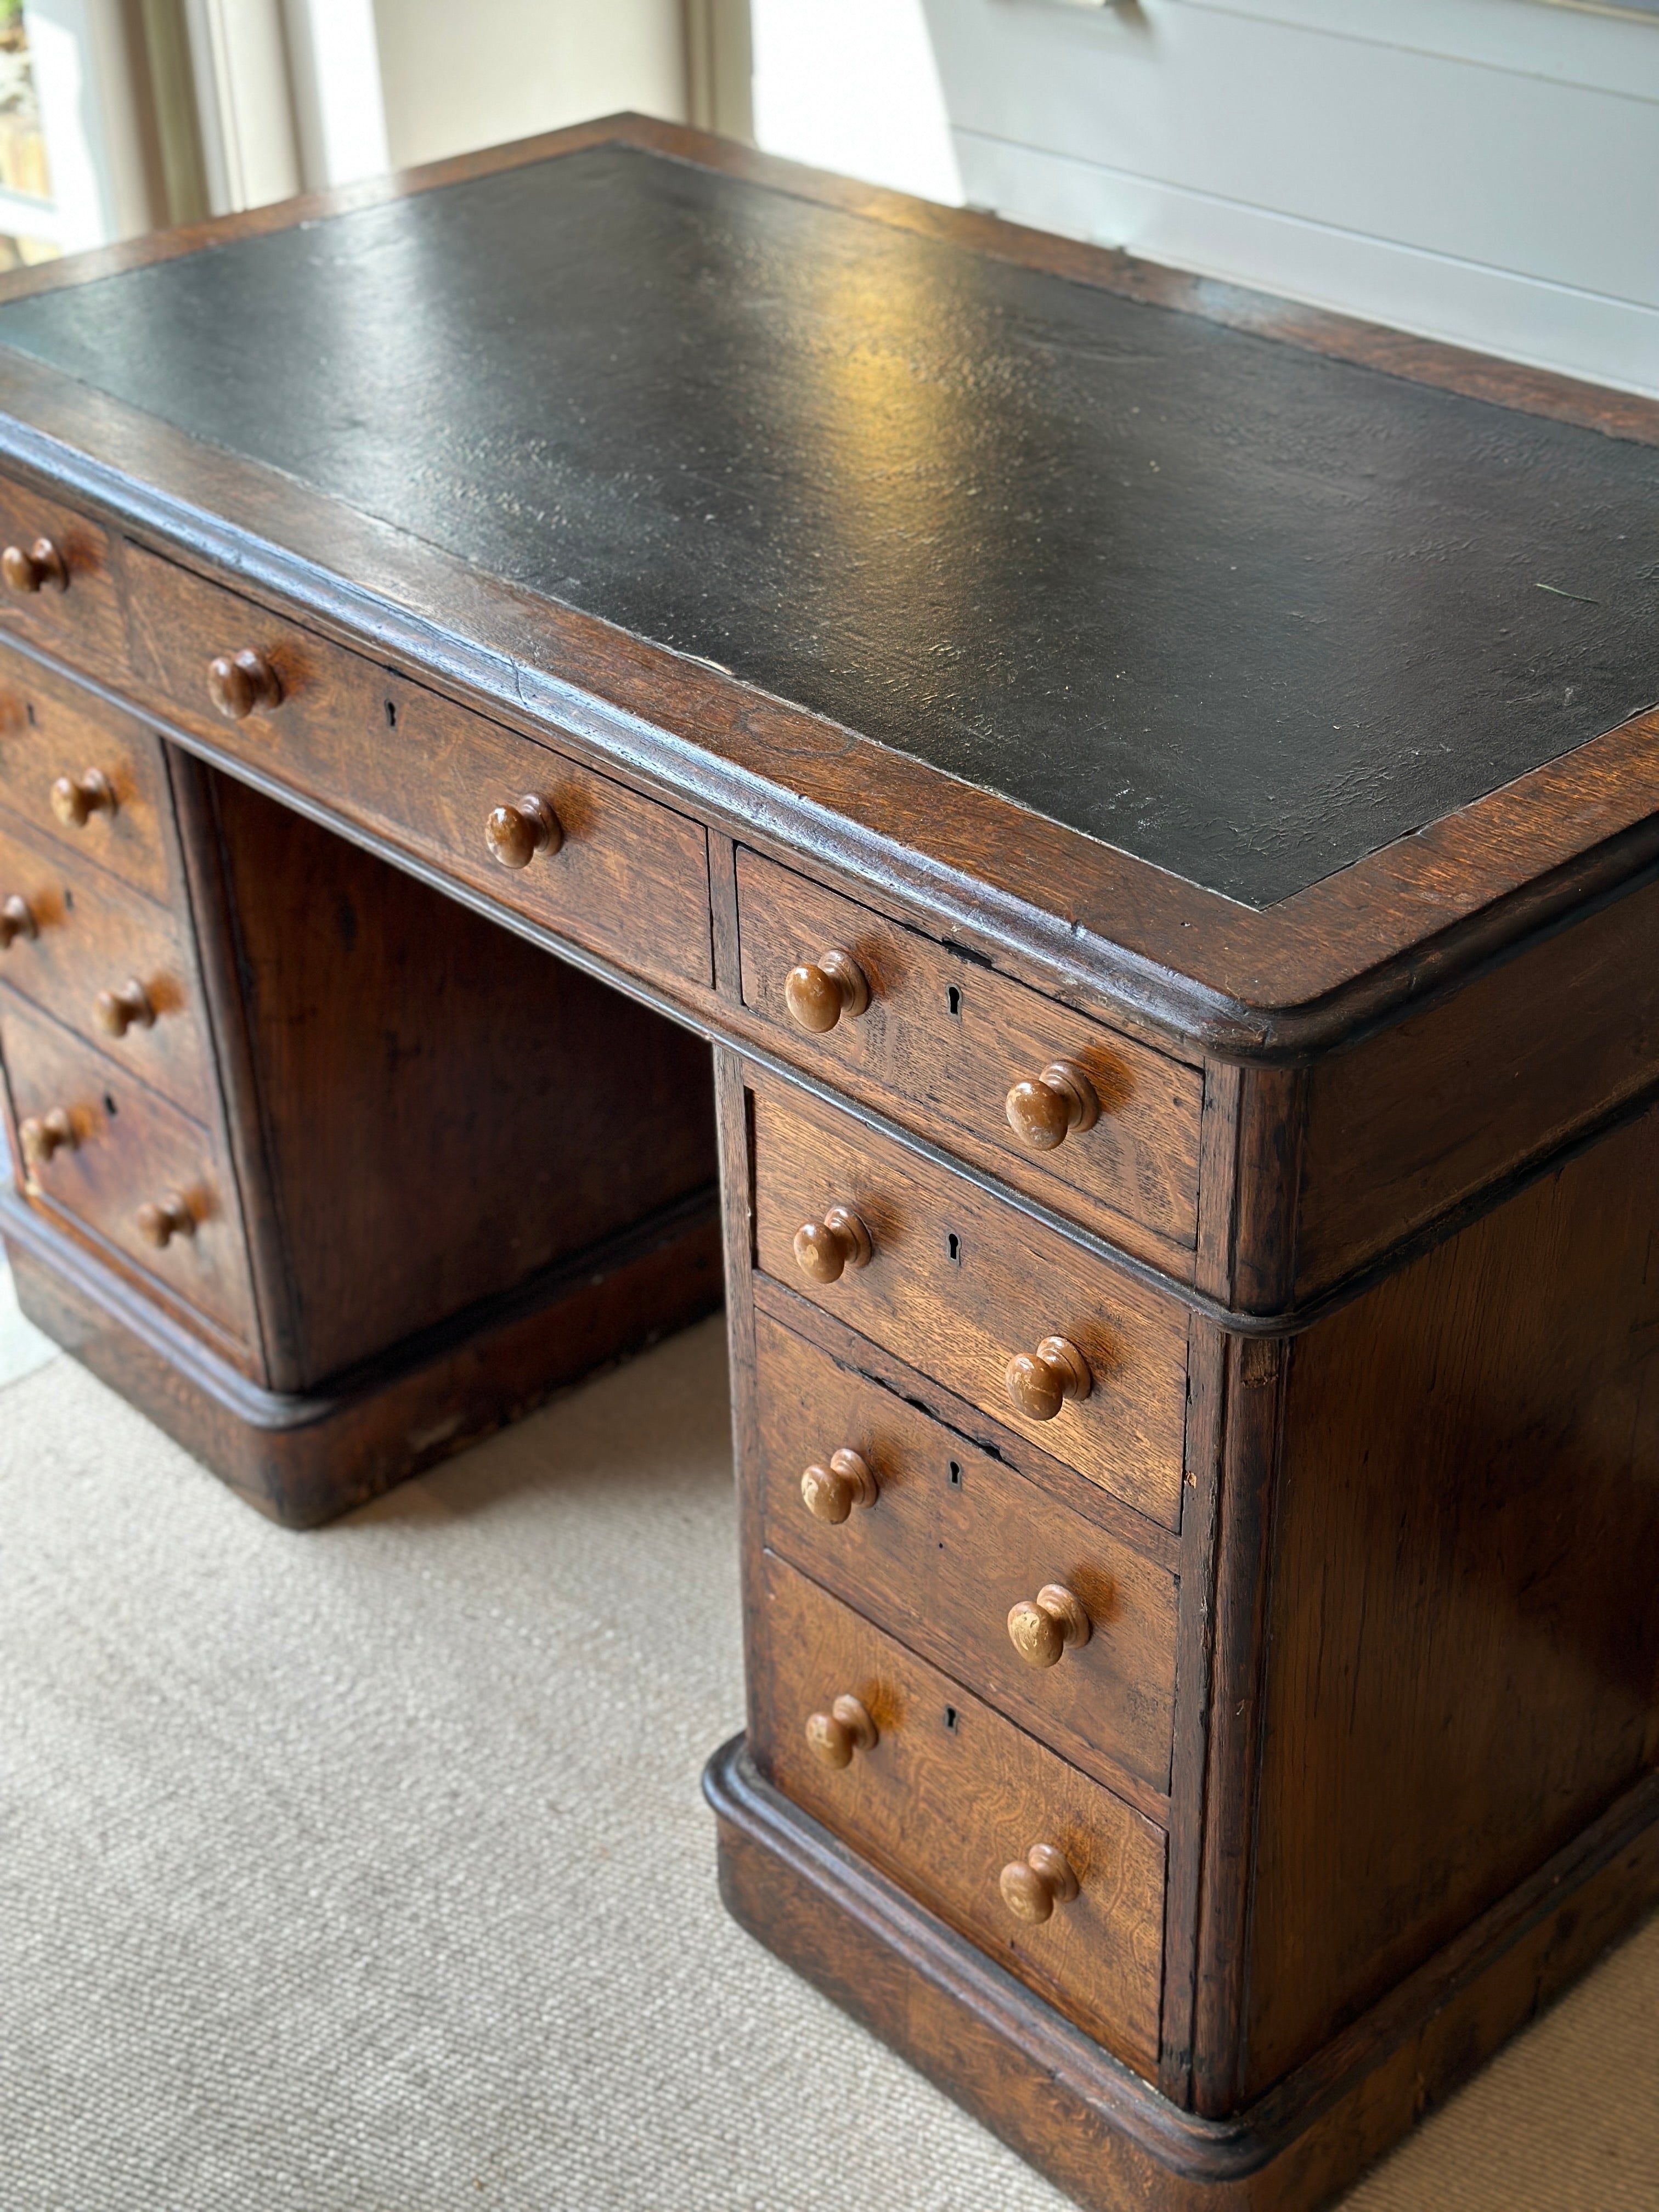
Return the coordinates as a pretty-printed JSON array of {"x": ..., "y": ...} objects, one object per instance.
[
  {"x": 426, "y": 776},
  {"x": 949, "y": 1794},
  {"x": 1397, "y": 1544},
  {"x": 84, "y": 622},
  {"x": 860, "y": 1355},
  {"x": 953, "y": 1540},
  {"x": 961, "y": 1310},
  {"x": 49, "y": 729},
  {"x": 131, "y": 1148},
  {"x": 944, "y": 1038},
  {"x": 1464, "y": 1627},
  {"x": 431, "y": 1090},
  {"x": 303, "y": 1459},
  {"x": 1406, "y": 1126},
  {"x": 92, "y": 935},
  {"x": 1104, "y": 2137},
  {"x": 1352, "y": 948}
]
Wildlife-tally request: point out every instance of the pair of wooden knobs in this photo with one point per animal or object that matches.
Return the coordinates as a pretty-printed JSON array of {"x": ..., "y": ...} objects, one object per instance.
[
  {"x": 1030, "y": 1887},
  {"x": 37, "y": 568},
  {"x": 1042, "y": 1109},
  {"x": 158, "y": 1221},
  {"x": 1041, "y": 1629},
  {"x": 1040, "y": 1383}
]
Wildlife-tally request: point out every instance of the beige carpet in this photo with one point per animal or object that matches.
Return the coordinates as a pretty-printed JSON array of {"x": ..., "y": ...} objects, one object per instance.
[{"x": 366, "y": 1871}]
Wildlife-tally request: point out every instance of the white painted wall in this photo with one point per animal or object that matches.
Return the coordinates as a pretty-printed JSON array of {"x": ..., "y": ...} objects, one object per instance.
[
  {"x": 1486, "y": 171},
  {"x": 455, "y": 77},
  {"x": 78, "y": 52}
]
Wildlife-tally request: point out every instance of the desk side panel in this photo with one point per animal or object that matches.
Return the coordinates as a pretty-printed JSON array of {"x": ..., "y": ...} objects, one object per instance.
[
  {"x": 1425, "y": 1114},
  {"x": 1463, "y": 1619}
]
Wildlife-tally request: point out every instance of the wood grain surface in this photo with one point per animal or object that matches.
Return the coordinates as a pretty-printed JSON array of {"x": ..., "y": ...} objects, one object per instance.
[
  {"x": 959, "y": 1285},
  {"x": 1464, "y": 1631},
  {"x": 1097, "y": 2132},
  {"x": 426, "y": 774},
  {"x": 950, "y": 1793},
  {"x": 304, "y": 1458},
  {"x": 1001, "y": 584},
  {"x": 86, "y": 622},
  {"x": 954, "y": 1539},
  {"x": 430, "y": 1091},
  {"x": 944, "y": 1038},
  {"x": 94, "y": 934},
  {"x": 1408, "y": 1124},
  {"x": 50, "y": 728},
  {"x": 132, "y": 1147},
  {"x": 1075, "y": 917}
]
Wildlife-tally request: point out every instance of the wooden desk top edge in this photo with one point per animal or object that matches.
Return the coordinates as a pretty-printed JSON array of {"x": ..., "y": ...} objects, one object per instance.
[{"x": 1365, "y": 945}]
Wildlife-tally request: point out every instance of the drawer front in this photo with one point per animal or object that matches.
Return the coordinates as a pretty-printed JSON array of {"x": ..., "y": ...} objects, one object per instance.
[
  {"x": 950, "y": 1795},
  {"x": 51, "y": 731},
  {"x": 943, "y": 1037},
  {"x": 950, "y": 1542},
  {"x": 82, "y": 622},
  {"x": 629, "y": 878},
  {"x": 958, "y": 1284},
  {"x": 132, "y": 1150},
  {"x": 90, "y": 938}
]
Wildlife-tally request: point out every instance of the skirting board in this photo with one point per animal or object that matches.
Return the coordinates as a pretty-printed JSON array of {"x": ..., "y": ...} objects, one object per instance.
[{"x": 1092, "y": 2126}]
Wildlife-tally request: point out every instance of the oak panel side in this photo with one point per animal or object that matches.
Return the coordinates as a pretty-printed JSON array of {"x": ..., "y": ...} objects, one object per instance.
[
  {"x": 1403, "y": 1127},
  {"x": 1465, "y": 1621}
]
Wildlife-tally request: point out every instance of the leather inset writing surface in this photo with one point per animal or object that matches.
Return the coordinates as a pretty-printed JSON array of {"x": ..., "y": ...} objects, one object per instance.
[{"x": 1246, "y": 613}]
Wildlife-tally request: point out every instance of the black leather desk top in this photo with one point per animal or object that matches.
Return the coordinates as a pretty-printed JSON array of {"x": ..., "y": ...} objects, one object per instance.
[{"x": 1243, "y": 611}]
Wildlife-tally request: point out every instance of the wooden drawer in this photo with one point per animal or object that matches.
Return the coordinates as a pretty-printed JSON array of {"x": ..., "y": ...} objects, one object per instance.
[
  {"x": 50, "y": 729},
  {"x": 92, "y": 935},
  {"x": 630, "y": 878},
  {"x": 952, "y": 1542},
  {"x": 84, "y": 623},
  {"x": 943, "y": 1038},
  {"x": 131, "y": 1149},
  {"x": 952, "y": 1793},
  {"x": 958, "y": 1284}
]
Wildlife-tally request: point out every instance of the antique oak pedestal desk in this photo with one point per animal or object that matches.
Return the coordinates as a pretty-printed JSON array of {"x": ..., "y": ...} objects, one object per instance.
[{"x": 1150, "y": 793}]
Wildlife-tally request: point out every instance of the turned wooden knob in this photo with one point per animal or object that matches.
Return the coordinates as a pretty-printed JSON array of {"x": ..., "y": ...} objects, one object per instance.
[
  {"x": 1041, "y": 1381},
  {"x": 76, "y": 799},
  {"x": 819, "y": 992},
  {"x": 119, "y": 1011},
  {"x": 160, "y": 1223},
  {"x": 825, "y": 1250},
  {"x": 41, "y": 569},
  {"x": 1033, "y": 1886},
  {"x": 243, "y": 684},
  {"x": 43, "y": 1135},
  {"x": 16, "y": 920},
  {"x": 1043, "y": 1629},
  {"x": 516, "y": 834},
  {"x": 831, "y": 1493},
  {"x": 1044, "y": 1109},
  {"x": 845, "y": 1729}
]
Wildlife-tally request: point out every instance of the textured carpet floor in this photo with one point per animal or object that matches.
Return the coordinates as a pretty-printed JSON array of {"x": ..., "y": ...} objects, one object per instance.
[{"x": 366, "y": 1871}]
